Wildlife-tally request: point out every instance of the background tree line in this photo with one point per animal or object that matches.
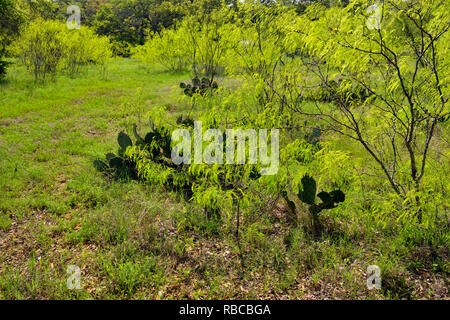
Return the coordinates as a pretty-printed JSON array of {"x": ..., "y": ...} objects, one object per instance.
[{"x": 126, "y": 22}]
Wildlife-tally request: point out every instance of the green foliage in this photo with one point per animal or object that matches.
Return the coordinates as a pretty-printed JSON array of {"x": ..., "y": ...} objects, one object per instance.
[
  {"x": 42, "y": 47},
  {"x": 201, "y": 39},
  {"x": 46, "y": 47},
  {"x": 41, "y": 9},
  {"x": 84, "y": 47},
  {"x": 207, "y": 41},
  {"x": 132, "y": 21},
  {"x": 10, "y": 22},
  {"x": 299, "y": 73},
  {"x": 381, "y": 107},
  {"x": 166, "y": 48},
  {"x": 188, "y": 122},
  {"x": 124, "y": 142},
  {"x": 292, "y": 70}
]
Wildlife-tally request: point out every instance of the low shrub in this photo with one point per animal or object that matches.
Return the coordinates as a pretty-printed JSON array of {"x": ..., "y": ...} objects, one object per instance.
[{"x": 47, "y": 47}]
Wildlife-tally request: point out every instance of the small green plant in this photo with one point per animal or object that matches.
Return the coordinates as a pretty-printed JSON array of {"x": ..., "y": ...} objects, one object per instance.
[{"x": 84, "y": 48}]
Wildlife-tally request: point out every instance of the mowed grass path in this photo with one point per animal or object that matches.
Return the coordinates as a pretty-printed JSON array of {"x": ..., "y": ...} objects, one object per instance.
[{"x": 49, "y": 135}]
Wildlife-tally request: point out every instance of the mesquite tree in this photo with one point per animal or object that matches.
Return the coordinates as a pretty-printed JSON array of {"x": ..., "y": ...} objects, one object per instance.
[{"x": 384, "y": 71}]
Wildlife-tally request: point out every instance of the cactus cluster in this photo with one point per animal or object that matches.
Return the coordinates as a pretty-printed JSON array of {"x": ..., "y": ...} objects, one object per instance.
[
  {"x": 198, "y": 86},
  {"x": 157, "y": 142},
  {"x": 156, "y": 146}
]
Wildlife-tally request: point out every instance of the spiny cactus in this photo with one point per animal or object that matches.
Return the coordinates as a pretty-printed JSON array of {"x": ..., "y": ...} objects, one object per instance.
[
  {"x": 124, "y": 142},
  {"x": 198, "y": 86},
  {"x": 157, "y": 141},
  {"x": 290, "y": 203},
  {"x": 118, "y": 165},
  {"x": 307, "y": 194}
]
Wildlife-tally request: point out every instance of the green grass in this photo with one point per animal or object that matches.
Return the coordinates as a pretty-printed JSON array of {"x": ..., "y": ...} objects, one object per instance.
[{"x": 133, "y": 240}]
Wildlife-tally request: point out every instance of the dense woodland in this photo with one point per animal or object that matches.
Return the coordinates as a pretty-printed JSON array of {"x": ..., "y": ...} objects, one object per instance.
[{"x": 358, "y": 91}]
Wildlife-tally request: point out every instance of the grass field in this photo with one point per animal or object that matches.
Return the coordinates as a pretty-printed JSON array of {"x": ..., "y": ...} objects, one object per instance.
[{"x": 133, "y": 240}]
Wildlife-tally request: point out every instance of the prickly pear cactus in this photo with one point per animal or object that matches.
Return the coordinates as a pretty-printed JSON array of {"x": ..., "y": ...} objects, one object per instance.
[
  {"x": 337, "y": 196},
  {"x": 308, "y": 194},
  {"x": 124, "y": 142},
  {"x": 199, "y": 86},
  {"x": 327, "y": 201}
]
